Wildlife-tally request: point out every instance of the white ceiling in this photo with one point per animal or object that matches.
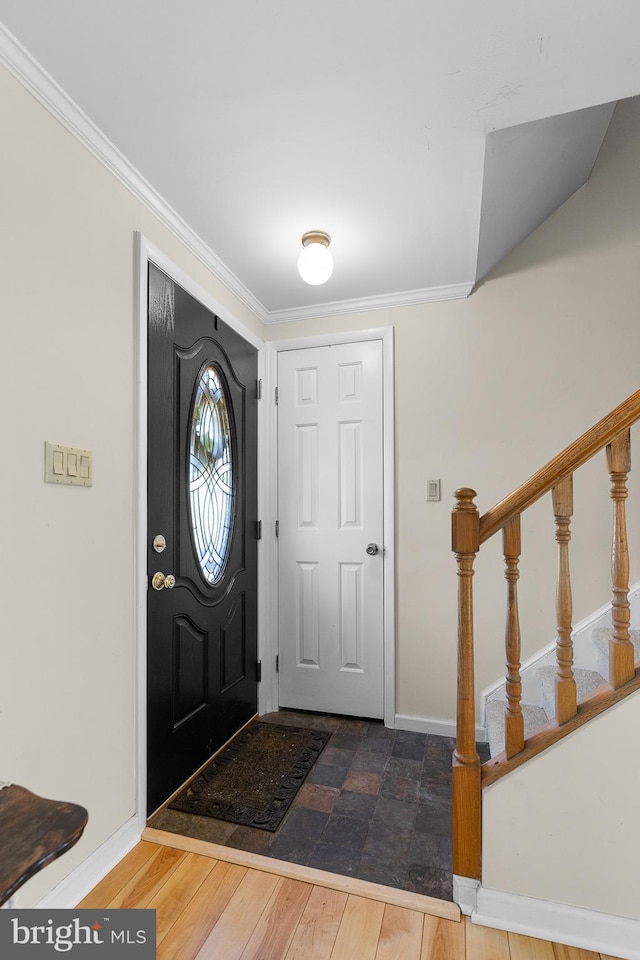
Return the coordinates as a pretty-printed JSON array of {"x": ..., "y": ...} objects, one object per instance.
[{"x": 415, "y": 133}]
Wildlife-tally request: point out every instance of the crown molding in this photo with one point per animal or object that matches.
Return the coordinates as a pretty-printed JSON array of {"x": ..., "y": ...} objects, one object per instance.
[
  {"x": 387, "y": 301},
  {"x": 26, "y": 69},
  {"x": 50, "y": 94}
]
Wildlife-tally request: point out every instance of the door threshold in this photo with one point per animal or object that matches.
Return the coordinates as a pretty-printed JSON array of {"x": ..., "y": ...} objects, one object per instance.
[{"x": 295, "y": 871}]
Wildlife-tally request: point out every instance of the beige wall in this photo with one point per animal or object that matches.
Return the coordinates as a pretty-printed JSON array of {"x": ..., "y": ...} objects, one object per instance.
[
  {"x": 486, "y": 390},
  {"x": 564, "y": 826},
  {"x": 67, "y": 680}
]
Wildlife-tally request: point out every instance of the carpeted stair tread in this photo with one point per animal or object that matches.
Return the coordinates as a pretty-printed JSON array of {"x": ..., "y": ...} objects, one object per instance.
[
  {"x": 600, "y": 639},
  {"x": 587, "y": 682},
  {"x": 534, "y": 718}
]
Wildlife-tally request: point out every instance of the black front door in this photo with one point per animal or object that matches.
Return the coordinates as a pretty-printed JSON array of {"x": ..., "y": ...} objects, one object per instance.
[{"x": 202, "y": 503}]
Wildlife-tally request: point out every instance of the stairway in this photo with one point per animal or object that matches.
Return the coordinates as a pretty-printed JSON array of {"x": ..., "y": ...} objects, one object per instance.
[
  {"x": 537, "y": 714},
  {"x": 470, "y": 531}
]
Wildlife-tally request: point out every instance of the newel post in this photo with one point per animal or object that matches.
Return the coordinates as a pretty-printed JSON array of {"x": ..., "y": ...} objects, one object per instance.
[{"x": 465, "y": 537}]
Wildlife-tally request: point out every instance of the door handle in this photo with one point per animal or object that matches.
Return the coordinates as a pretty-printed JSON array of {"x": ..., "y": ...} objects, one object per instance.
[
  {"x": 159, "y": 581},
  {"x": 372, "y": 549}
]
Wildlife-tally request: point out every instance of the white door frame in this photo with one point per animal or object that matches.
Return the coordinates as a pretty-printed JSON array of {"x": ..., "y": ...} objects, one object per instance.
[
  {"x": 146, "y": 251},
  {"x": 269, "y": 649}
]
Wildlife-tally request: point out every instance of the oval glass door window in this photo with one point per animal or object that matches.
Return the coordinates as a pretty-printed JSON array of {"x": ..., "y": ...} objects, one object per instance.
[{"x": 211, "y": 475}]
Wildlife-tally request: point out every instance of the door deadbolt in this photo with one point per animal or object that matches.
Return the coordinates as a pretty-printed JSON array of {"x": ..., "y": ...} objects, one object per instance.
[
  {"x": 372, "y": 549},
  {"x": 159, "y": 543},
  {"x": 159, "y": 581}
]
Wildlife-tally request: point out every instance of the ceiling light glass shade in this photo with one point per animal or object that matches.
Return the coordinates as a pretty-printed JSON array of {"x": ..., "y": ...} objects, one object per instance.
[{"x": 315, "y": 263}]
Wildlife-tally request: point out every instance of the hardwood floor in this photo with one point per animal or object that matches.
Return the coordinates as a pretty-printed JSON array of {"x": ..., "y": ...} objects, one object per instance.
[{"x": 214, "y": 903}]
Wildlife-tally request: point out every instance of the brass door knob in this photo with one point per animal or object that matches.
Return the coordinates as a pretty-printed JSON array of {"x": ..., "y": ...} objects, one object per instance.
[{"x": 160, "y": 582}]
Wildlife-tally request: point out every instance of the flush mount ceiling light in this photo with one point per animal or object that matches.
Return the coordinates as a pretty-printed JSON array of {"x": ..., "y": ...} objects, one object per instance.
[{"x": 315, "y": 263}]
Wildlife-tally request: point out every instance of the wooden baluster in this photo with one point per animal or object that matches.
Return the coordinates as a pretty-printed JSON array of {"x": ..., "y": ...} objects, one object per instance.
[
  {"x": 565, "y": 683},
  {"x": 514, "y": 721},
  {"x": 621, "y": 656},
  {"x": 465, "y": 531}
]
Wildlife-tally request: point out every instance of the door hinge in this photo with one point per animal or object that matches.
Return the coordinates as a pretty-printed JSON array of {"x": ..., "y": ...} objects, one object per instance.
[
  {"x": 258, "y": 529},
  {"x": 259, "y": 389},
  {"x": 276, "y": 394},
  {"x": 277, "y": 528},
  {"x": 277, "y": 663},
  {"x": 258, "y": 671}
]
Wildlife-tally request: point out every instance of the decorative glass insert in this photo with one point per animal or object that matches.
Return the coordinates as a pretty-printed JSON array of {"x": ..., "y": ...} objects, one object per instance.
[{"x": 211, "y": 475}]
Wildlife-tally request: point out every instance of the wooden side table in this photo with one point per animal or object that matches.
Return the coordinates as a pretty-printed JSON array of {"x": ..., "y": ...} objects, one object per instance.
[{"x": 33, "y": 832}]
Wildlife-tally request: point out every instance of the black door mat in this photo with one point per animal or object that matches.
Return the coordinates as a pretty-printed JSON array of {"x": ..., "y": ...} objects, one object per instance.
[{"x": 254, "y": 780}]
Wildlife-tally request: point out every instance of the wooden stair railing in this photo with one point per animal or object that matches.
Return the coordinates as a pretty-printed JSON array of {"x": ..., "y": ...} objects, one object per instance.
[{"x": 469, "y": 532}]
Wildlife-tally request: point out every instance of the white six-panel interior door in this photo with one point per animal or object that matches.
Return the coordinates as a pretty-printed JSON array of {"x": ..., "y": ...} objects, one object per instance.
[{"x": 330, "y": 511}]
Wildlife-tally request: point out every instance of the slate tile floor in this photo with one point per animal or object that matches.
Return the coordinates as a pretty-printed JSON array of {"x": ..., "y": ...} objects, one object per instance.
[{"x": 377, "y": 805}]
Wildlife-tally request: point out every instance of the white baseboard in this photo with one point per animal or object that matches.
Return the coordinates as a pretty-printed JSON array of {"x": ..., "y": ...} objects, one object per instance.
[
  {"x": 70, "y": 891},
  {"x": 559, "y": 923},
  {"x": 465, "y": 894},
  {"x": 440, "y": 728}
]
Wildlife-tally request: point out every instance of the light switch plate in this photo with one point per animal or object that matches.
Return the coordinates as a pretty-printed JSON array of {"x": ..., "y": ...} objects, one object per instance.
[
  {"x": 432, "y": 490},
  {"x": 72, "y": 465}
]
